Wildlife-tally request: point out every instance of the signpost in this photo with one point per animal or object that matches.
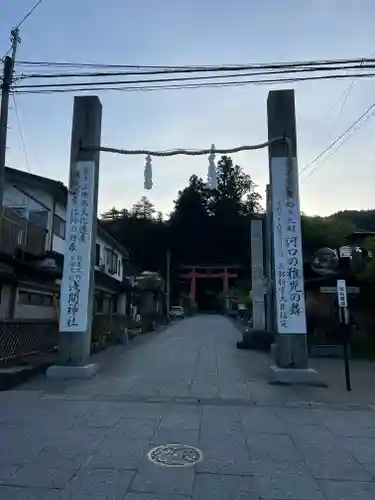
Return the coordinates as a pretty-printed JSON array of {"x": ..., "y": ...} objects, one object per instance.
[{"x": 342, "y": 298}]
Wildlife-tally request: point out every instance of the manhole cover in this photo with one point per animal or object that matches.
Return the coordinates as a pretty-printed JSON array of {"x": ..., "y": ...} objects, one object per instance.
[{"x": 175, "y": 455}]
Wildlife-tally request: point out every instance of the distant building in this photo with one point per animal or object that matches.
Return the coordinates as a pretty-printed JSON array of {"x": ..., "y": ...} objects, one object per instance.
[{"x": 32, "y": 243}]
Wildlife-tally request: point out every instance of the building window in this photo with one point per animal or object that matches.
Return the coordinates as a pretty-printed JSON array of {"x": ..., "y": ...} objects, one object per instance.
[
  {"x": 39, "y": 218},
  {"x": 97, "y": 255},
  {"x": 111, "y": 260},
  {"x": 27, "y": 298},
  {"x": 59, "y": 226}
]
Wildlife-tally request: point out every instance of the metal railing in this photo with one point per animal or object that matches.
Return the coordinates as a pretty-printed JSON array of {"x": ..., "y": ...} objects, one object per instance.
[
  {"x": 18, "y": 234},
  {"x": 21, "y": 338}
]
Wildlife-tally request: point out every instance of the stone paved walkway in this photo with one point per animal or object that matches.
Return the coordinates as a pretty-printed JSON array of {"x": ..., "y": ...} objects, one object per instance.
[{"x": 89, "y": 439}]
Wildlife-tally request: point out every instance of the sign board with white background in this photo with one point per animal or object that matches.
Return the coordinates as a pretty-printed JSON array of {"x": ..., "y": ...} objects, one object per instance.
[
  {"x": 342, "y": 295},
  {"x": 287, "y": 248},
  {"x": 77, "y": 255}
]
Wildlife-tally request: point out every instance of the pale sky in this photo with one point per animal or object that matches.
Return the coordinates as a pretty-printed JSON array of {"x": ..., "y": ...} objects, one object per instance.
[{"x": 182, "y": 32}]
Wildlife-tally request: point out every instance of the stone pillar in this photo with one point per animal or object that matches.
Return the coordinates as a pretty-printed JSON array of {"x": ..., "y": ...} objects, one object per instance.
[
  {"x": 291, "y": 345},
  {"x": 77, "y": 288},
  {"x": 270, "y": 307},
  {"x": 225, "y": 281},
  {"x": 257, "y": 274},
  {"x": 193, "y": 284}
]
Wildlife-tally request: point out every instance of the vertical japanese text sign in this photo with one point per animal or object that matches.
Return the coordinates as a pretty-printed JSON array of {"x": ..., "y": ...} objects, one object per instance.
[
  {"x": 77, "y": 257},
  {"x": 287, "y": 242},
  {"x": 342, "y": 293}
]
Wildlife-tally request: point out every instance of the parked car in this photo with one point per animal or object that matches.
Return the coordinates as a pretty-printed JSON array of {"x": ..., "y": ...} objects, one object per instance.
[{"x": 176, "y": 312}]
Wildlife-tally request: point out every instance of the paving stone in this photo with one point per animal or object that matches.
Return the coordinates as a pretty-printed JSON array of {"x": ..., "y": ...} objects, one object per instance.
[
  {"x": 106, "y": 421},
  {"x": 297, "y": 416},
  {"x": 156, "y": 479},
  {"x": 347, "y": 490},
  {"x": 16, "y": 493},
  {"x": 175, "y": 436},
  {"x": 40, "y": 477},
  {"x": 155, "y": 496},
  {"x": 7, "y": 471},
  {"x": 285, "y": 480},
  {"x": 186, "y": 419},
  {"x": 272, "y": 446},
  {"x": 337, "y": 466},
  {"x": 113, "y": 483},
  {"x": 131, "y": 428},
  {"x": 219, "y": 487},
  {"x": 256, "y": 420},
  {"x": 119, "y": 455},
  {"x": 363, "y": 449},
  {"x": 224, "y": 457}
]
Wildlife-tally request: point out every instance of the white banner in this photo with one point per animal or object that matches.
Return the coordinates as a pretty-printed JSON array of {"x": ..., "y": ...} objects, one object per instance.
[
  {"x": 287, "y": 242},
  {"x": 77, "y": 258}
]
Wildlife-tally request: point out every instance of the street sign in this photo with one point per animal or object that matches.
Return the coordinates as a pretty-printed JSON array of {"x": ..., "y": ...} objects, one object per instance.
[
  {"x": 341, "y": 293},
  {"x": 333, "y": 289}
]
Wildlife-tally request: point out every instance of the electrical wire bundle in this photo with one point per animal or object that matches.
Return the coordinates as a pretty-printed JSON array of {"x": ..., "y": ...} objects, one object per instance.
[{"x": 43, "y": 77}]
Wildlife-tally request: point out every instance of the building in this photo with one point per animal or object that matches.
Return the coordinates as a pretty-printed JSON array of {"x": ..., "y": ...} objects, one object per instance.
[{"x": 32, "y": 243}]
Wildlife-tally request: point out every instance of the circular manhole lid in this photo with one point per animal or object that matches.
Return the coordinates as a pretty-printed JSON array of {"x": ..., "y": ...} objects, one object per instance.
[{"x": 175, "y": 455}]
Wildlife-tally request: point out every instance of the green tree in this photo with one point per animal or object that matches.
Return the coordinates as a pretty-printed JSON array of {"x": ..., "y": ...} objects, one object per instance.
[
  {"x": 112, "y": 214},
  {"x": 143, "y": 209},
  {"x": 319, "y": 232},
  {"x": 235, "y": 193}
]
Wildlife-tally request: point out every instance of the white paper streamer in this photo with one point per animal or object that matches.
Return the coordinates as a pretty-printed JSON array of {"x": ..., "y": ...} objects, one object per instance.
[
  {"x": 211, "y": 176},
  {"x": 148, "y": 173}
]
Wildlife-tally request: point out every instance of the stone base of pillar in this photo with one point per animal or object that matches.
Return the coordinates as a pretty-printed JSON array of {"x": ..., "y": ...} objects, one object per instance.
[
  {"x": 290, "y": 357},
  {"x": 295, "y": 376},
  {"x": 290, "y": 351},
  {"x": 71, "y": 371}
]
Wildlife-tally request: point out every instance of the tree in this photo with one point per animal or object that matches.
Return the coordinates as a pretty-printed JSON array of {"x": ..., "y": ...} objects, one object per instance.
[
  {"x": 143, "y": 209},
  {"x": 112, "y": 214},
  {"x": 235, "y": 193},
  {"x": 319, "y": 232}
]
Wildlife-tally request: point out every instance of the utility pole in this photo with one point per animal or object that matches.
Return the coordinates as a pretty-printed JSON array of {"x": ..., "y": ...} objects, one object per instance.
[{"x": 4, "y": 110}]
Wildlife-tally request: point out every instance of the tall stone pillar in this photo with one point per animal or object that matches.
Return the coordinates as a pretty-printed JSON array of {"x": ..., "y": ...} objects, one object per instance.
[
  {"x": 77, "y": 287},
  {"x": 257, "y": 274},
  {"x": 193, "y": 284},
  {"x": 225, "y": 281},
  {"x": 291, "y": 344}
]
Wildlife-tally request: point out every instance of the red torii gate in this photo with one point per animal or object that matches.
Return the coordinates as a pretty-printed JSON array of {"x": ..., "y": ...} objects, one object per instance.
[{"x": 201, "y": 271}]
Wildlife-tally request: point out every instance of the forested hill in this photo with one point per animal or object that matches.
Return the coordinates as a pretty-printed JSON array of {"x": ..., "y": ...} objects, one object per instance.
[{"x": 363, "y": 220}]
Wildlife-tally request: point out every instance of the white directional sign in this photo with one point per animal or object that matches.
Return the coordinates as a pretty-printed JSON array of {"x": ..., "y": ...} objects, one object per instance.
[{"x": 342, "y": 293}]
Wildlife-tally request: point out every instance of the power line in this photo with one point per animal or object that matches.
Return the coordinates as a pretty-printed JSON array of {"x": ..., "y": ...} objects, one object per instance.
[
  {"x": 15, "y": 29},
  {"x": 36, "y": 5},
  {"x": 156, "y": 80},
  {"x": 90, "y": 86},
  {"x": 21, "y": 134},
  {"x": 266, "y": 70},
  {"x": 206, "y": 66},
  {"x": 341, "y": 136},
  {"x": 338, "y": 146}
]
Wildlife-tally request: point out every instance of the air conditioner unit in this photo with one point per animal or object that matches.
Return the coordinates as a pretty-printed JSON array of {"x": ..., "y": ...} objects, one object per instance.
[{"x": 102, "y": 264}]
